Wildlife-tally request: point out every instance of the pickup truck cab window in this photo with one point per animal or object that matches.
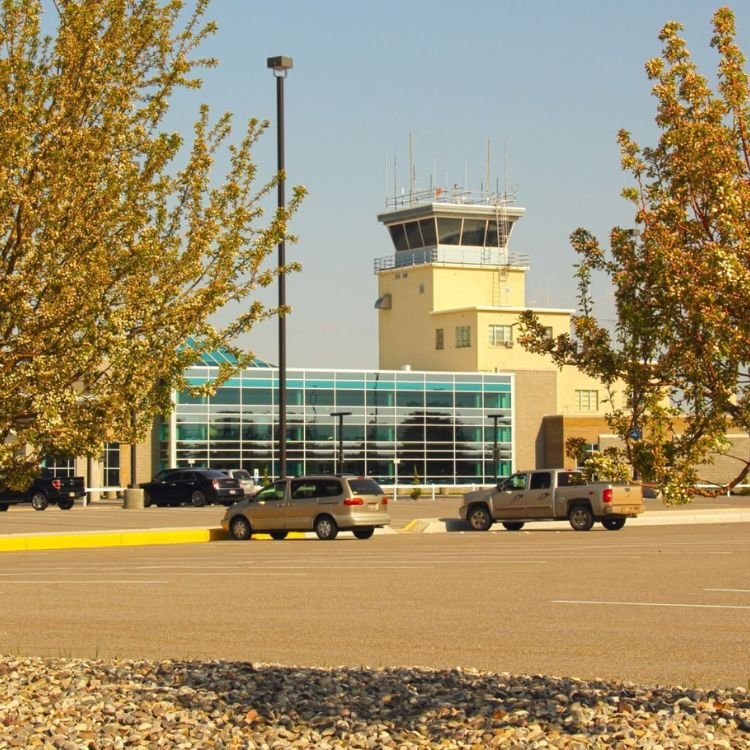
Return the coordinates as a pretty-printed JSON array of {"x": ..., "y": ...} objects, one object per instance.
[
  {"x": 540, "y": 480},
  {"x": 515, "y": 482}
]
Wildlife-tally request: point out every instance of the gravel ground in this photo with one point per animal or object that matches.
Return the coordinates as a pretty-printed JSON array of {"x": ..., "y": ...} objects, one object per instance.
[{"x": 92, "y": 704}]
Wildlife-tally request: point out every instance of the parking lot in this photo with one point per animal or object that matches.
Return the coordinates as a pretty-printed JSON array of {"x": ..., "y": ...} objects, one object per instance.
[{"x": 663, "y": 604}]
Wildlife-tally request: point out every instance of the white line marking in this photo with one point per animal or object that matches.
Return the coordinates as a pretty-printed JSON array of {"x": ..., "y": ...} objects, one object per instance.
[
  {"x": 736, "y": 591},
  {"x": 106, "y": 581},
  {"x": 649, "y": 604}
]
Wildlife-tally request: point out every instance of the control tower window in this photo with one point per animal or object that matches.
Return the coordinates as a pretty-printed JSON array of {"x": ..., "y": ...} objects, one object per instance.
[
  {"x": 428, "y": 232},
  {"x": 473, "y": 234},
  {"x": 413, "y": 235},
  {"x": 449, "y": 231},
  {"x": 497, "y": 235},
  {"x": 398, "y": 235}
]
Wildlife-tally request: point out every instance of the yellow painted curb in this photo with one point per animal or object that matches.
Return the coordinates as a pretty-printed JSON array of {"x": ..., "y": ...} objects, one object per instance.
[
  {"x": 110, "y": 539},
  {"x": 135, "y": 538}
]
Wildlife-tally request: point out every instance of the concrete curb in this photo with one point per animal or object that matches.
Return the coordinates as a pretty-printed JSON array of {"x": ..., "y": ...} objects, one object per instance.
[{"x": 655, "y": 518}]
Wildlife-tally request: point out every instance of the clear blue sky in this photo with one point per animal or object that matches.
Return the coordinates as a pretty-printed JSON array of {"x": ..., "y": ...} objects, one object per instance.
[{"x": 546, "y": 83}]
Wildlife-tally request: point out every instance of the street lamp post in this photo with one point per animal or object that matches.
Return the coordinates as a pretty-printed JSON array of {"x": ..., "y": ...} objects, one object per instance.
[
  {"x": 280, "y": 65},
  {"x": 495, "y": 454},
  {"x": 339, "y": 463}
]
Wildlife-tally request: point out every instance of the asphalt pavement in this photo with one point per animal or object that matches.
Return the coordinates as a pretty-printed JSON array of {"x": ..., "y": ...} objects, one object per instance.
[{"x": 109, "y": 523}]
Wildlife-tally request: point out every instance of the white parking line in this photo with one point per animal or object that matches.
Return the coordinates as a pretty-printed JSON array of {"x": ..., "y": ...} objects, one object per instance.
[
  {"x": 651, "y": 604},
  {"x": 736, "y": 591},
  {"x": 107, "y": 581}
]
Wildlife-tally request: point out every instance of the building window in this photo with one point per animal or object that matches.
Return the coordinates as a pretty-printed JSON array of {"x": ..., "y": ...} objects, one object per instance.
[
  {"x": 112, "y": 465},
  {"x": 439, "y": 338},
  {"x": 421, "y": 288},
  {"x": 58, "y": 466},
  {"x": 501, "y": 336},
  {"x": 548, "y": 332},
  {"x": 587, "y": 401},
  {"x": 463, "y": 337},
  {"x": 585, "y": 453}
]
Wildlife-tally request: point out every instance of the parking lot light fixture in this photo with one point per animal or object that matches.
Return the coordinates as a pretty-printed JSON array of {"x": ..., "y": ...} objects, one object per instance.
[{"x": 281, "y": 66}]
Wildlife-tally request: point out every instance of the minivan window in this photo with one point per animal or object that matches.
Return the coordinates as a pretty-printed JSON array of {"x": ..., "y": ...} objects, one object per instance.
[
  {"x": 365, "y": 487},
  {"x": 328, "y": 487}
]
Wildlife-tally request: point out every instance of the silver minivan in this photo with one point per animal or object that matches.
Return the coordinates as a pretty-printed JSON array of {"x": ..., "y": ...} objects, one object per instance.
[{"x": 325, "y": 504}]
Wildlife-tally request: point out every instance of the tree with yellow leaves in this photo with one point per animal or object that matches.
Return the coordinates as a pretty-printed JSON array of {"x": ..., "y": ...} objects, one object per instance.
[
  {"x": 112, "y": 258},
  {"x": 681, "y": 278}
]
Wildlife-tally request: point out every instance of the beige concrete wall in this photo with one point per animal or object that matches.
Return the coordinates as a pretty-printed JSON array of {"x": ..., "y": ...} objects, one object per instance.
[
  {"x": 461, "y": 286},
  {"x": 405, "y": 332},
  {"x": 534, "y": 393}
]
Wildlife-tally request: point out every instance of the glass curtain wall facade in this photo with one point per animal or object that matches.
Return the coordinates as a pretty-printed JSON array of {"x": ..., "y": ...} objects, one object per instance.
[{"x": 400, "y": 424}]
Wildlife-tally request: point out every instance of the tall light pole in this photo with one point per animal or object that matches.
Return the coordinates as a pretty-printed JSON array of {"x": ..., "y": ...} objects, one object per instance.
[
  {"x": 280, "y": 65},
  {"x": 495, "y": 454},
  {"x": 339, "y": 464}
]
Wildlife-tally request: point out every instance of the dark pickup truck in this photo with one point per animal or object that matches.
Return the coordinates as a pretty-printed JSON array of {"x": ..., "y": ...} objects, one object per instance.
[{"x": 60, "y": 491}]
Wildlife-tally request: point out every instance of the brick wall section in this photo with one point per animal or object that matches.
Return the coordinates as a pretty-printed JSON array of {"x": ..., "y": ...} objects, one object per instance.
[{"x": 535, "y": 395}]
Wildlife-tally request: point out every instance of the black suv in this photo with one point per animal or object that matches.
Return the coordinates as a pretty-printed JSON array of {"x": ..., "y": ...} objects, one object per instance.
[{"x": 194, "y": 486}]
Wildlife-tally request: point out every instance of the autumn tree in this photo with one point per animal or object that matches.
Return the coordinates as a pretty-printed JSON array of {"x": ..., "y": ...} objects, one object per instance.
[
  {"x": 681, "y": 275},
  {"x": 118, "y": 240}
]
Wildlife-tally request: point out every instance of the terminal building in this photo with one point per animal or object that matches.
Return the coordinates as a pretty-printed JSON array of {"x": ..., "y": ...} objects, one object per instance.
[{"x": 455, "y": 400}]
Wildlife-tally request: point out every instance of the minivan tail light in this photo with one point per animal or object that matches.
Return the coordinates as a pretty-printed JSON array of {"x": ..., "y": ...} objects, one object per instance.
[
  {"x": 353, "y": 501},
  {"x": 384, "y": 501},
  {"x": 56, "y": 483},
  {"x": 607, "y": 495}
]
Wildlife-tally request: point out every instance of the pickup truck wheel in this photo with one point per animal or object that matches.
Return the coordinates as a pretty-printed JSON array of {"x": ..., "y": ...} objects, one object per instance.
[
  {"x": 39, "y": 501},
  {"x": 479, "y": 518},
  {"x": 513, "y": 525},
  {"x": 198, "y": 499},
  {"x": 65, "y": 504},
  {"x": 3, "y": 506},
  {"x": 146, "y": 499},
  {"x": 581, "y": 518},
  {"x": 613, "y": 524}
]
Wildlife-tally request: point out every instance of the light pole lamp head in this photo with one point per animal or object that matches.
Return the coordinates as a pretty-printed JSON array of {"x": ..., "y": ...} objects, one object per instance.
[{"x": 280, "y": 65}]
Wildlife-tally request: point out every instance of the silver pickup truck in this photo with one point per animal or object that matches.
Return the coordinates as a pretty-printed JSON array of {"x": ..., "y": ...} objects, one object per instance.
[{"x": 552, "y": 494}]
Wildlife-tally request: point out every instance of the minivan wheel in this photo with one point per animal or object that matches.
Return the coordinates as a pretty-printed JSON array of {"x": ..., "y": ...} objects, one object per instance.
[
  {"x": 581, "y": 518},
  {"x": 279, "y": 535},
  {"x": 198, "y": 499},
  {"x": 39, "y": 501},
  {"x": 325, "y": 527},
  {"x": 240, "y": 528},
  {"x": 479, "y": 518},
  {"x": 363, "y": 533},
  {"x": 3, "y": 506},
  {"x": 513, "y": 525}
]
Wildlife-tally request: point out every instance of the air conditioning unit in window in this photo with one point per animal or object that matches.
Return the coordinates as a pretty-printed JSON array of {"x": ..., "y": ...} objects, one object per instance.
[{"x": 508, "y": 344}]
